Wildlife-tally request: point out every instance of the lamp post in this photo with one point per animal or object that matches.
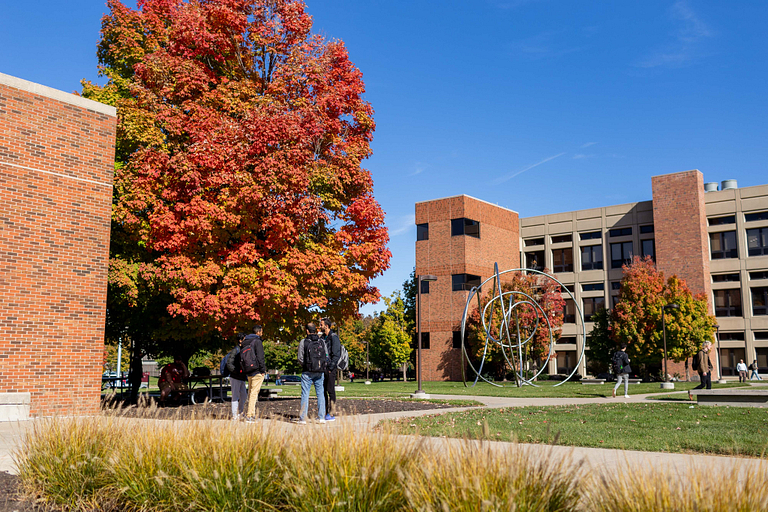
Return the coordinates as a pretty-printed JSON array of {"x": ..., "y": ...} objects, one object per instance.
[
  {"x": 666, "y": 384},
  {"x": 367, "y": 361},
  {"x": 419, "y": 392}
]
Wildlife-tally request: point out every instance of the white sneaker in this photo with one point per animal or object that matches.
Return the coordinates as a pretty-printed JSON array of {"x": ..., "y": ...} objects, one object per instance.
[
  {"x": 626, "y": 396},
  {"x": 321, "y": 420},
  {"x": 300, "y": 422}
]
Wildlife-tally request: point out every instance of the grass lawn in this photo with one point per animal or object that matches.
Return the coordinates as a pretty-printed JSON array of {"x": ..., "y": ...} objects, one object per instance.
[
  {"x": 399, "y": 389},
  {"x": 662, "y": 427}
]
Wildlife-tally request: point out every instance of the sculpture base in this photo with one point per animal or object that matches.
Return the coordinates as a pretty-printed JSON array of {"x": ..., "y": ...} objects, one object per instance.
[
  {"x": 667, "y": 385},
  {"x": 420, "y": 395}
]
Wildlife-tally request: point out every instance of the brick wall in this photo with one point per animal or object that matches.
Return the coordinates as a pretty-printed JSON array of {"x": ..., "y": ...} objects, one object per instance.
[
  {"x": 444, "y": 255},
  {"x": 680, "y": 229},
  {"x": 56, "y": 165}
]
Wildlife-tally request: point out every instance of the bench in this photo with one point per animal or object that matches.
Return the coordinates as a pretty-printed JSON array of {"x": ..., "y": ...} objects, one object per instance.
[
  {"x": 269, "y": 393},
  {"x": 738, "y": 397},
  {"x": 593, "y": 381}
]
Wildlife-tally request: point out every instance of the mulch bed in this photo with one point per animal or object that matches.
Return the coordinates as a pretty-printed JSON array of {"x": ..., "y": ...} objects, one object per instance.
[
  {"x": 279, "y": 408},
  {"x": 10, "y": 501}
]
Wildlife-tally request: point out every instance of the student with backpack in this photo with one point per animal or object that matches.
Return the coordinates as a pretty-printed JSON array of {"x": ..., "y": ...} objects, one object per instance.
[
  {"x": 313, "y": 358},
  {"x": 333, "y": 346},
  {"x": 622, "y": 369},
  {"x": 230, "y": 367},
  {"x": 703, "y": 365},
  {"x": 254, "y": 367},
  {"x": 753, "y": 370}
]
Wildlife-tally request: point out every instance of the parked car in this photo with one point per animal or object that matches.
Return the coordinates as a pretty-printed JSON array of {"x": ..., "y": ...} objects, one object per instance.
[{"x": 288, "y": 380}]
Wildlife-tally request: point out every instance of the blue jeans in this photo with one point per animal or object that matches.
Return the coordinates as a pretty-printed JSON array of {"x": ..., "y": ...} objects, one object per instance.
[{"x": 307, "y": 378}]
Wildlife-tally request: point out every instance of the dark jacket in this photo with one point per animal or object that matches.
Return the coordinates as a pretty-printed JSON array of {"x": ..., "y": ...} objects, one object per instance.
[
  {"x": 252, "y": 355},
  {"x": 624, "y": 361},
  {"x": 705, "y": 363},
  {"x": 232, "y": 359},
  {"x": 333, "y": 347}
]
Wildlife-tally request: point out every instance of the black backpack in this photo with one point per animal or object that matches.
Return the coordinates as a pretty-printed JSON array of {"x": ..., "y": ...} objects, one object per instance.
[
  {"x": 618, "y": 362},
  {"x": 315, "y": 354},
  {"x": 232, "y": 365},
  {"x": 695, "y": 363}
]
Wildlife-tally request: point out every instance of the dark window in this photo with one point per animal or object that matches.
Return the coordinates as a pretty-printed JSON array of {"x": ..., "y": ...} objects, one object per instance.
[
  {"x": 456, "y": 339},
  {"x": 424, "y": 340},
  {"x": 751, "y": 217},
  {"x": 570, "y": 287},
  {"x": 620, "y": 232},
  {"x": 762, "y": 356},
  {"x": 648, "y": 248},
  {"x": 615, "y": 285},
  {"x": 424, "y": 287},
  {"x": 566, "y": 361},
  {"x": 760, "y": 335},
  {"x": 562, "y": 238},
  {"x": 592, "y": 257},
  {"x": 719, "y": 221},
  {"x": 725, "y": 278},
  {"x": 591, "y": 235},
  {"x": 464, "y": 281},
  {"x": 621, "y": 253},
  {"x": 532, "y": 242},
  {"x": 614, "y": 300},
  {"x": 566, "y": 339},
  {"x": 569, "y": 312},
  {"x": 592, "y": 287},
  {"x": 562, "y": 260},
  {"x": 422, "y": 232},
  {"x": 731, "y": 336},
  {"x": 465, "y": 227},
  {"x": 646, "y": 229},
  {"x": 758, "y": 275},
  {"x": 729, "y": 358},
  {"x": 534, "y": 260},
  {"x": 757, "y": 241},
  {"x": 760, "y": 301},
  {"x": 723, "y": 245},
  {"x": 591, "y": 306},
  {"x": 728, "y": 302}
]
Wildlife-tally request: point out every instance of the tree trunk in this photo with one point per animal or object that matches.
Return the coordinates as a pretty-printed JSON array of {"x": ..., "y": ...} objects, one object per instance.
[
  {"x": 687, "y": 373},
  {"x": 405, "y": 369},
  {"x": 136, "y": 372}
]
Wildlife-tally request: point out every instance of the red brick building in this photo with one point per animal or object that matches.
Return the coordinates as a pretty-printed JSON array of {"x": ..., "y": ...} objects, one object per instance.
[
  {"x": 717, "y": 240},
  {"x": 56, "y": 168}
]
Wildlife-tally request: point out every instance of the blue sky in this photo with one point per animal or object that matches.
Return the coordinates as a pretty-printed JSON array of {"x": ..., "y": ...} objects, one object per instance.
[{"x": 539, "y": 106}]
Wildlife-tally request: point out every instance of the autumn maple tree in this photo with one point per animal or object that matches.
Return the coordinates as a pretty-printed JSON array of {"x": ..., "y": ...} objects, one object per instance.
[
  {"x": 636, "y": 319},
  {"x": 524, "y": 288},
  {"x": 239, "y": 195}
]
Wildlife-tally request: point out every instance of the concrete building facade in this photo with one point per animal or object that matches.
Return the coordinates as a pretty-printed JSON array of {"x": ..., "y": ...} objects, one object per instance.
[
  {"x": 717, "y": 241},
  {"x": 56, "y": 167}
]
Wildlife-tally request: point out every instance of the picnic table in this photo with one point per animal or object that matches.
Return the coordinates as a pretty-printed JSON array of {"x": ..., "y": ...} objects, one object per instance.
[{"x": 207, "y": 386}]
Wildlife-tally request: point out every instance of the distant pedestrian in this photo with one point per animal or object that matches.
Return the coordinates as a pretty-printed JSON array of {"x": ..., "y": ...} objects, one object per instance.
[
  {"x": 313, "y": 358},
  {"x": 255, "y": 368},
  {"x": 622, "y": 369},
  {"x": 703, "y": 365},
  {"x": 230, "y": 366},
  {"x": 333, "y": 346},
  {"x": 352, "y": 377},
  {"x": 754, "y": 368},
  {"x": 742, "y": 369}
]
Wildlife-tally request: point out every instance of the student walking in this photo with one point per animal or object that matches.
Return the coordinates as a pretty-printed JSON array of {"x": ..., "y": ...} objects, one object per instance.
[
  {"x": 253, "y": 365},
  {"x": 622, "y": 369},
  {"x": 230, "y": 366},
  {"x": 753, "y": 368},
  {"x": 703, "y": 365},
  {"x": 313, "y": 358},
  {"x": 742, "y": 369},
  {"x": 333, "y": 346}
]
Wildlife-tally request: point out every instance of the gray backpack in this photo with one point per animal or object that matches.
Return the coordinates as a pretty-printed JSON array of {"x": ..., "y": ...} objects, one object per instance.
[{"x": 343, "y": 359}]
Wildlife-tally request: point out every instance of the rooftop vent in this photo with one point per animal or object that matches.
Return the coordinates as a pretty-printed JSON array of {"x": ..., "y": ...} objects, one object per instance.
[
  {"x": 728, "y": 185},
  {"x": 710, "y": 187}
]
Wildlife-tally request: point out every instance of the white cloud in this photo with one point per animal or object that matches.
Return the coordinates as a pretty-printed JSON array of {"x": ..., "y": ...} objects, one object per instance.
[
  {"x": 418, "y": 169},
  {"x": 512, "y": 175},
  {"x": 588, "y": 144},
  {"x": 404, "y": 224},
  {"x": 579, "y": 156},
  {"x": 687, "y": 38}
]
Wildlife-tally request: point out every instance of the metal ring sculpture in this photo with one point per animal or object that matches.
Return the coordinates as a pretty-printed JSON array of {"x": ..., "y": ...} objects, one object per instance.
[{"x": 516, "y": 299}]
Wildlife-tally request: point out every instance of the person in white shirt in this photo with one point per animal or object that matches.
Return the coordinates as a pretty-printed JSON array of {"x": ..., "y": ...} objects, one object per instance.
[{"x": 742, "y": 369}]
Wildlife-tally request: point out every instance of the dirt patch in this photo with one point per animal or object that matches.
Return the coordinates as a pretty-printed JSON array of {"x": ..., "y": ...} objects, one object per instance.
[{"x": 10, "y": 500}]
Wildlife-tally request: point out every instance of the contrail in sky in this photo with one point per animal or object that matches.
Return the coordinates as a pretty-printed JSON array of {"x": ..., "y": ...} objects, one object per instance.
[{"x": 510, "y": 176}]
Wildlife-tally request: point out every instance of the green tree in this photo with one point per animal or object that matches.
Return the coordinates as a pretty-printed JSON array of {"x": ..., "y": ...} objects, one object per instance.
[
  {"x": 636, "y": 319},
  {"x": 282, "y": 355},
  {"x": 389, "y": 337},
  {"x": 601, "y": 344},
  {"x": 409, "y": 297},
  {"x": 353, "y": 334}
]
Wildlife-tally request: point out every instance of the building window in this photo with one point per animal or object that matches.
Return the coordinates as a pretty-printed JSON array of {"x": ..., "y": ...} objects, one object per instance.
[
  {"x": 464, "y": 281},
  {"x": 723, "y": 245},
  {"x": 534, "y": 260},
  {"x": 424, "y": 287},
  {"x": 570, "y": 287},
  {"x": 646, "y": 229},
  {"x": 728, "y": 302},
  {"x": 760, "y": 335},
  {"x": 719, "y": 221},
  {"x": 614, "y": 300},
  {"x": 532, "y": 242},
  {"x": 424, "y": 340},
  {"x": 725, "y": 278},
  {"x": 422, "y": 232},
  {"x": 592, "y": 257},
  {"x": 757, "y": 242},
  {"x": 648, "y": 248},
  {"x": 732, "y": 336},
  {"x": 620, "y": 232},
  {"x": 566, "y": 361},
  {"x": 758, "y": 275},
  {"x": 751, "y": 217},
  {"x": 592, "y": 235},
  {"x": 569, "y": 312},
  {"x": 562, "y": 260},
  {"x": 561, "y": 239},
  {"x": 591, "y": 306},
  {"x": 760, "y": 301},
  {"x": 621, "y": 253},
  {"x": 465, "y": 227},
  {"x": 615, "y": 285},
  {"x": 456, "y": 339},
  {"x": 593, "y": 287},
  {"x": 729, "y": 358}
]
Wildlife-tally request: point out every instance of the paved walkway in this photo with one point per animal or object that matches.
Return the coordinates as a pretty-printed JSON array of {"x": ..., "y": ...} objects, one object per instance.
[{"x": 598, "y": 460}]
